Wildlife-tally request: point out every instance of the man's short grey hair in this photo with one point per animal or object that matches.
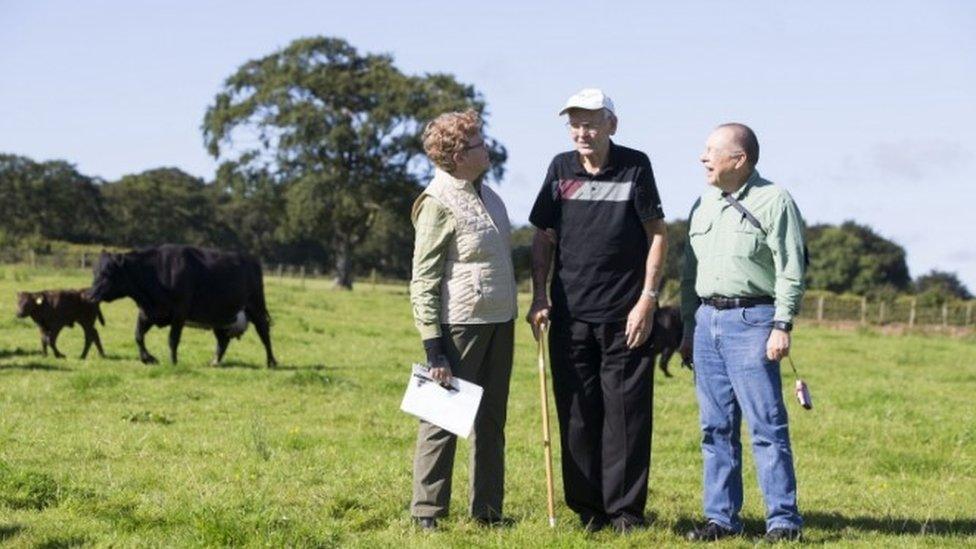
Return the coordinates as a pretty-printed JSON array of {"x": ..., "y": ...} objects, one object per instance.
[{"x": 745, "y": 139}]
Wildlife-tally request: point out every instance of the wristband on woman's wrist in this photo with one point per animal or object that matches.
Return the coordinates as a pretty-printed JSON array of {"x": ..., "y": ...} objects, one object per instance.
[{"x": 433, "y": 348}]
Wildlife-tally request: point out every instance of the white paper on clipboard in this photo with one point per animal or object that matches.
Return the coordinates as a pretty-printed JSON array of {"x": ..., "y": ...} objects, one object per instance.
[{"x": 451, "y": 409}]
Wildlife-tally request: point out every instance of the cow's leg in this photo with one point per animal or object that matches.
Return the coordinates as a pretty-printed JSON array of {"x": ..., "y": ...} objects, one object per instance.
[
  {"x": 175, "y": 331},
  {"x": 43, "y": 342},
  {"x": 665, "y": 358},
  {"x": 263, "y": 328},
  {"x": 98, "y": 342},
  {"x": 142, "y": 326},
  {"x": 53, "y": 340},
  {"x": 88, "y": 339},
  {"x": 222, "y": 340}
]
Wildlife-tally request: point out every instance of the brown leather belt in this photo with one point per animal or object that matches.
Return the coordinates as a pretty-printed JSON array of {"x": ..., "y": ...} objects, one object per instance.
[{"x": 721, "y": 302}]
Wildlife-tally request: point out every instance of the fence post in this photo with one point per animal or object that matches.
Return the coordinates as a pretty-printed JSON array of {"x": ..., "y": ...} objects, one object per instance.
[
  {"x": 372, "y": 277},
  {"x": 83, "y": 260},
  {"x": 881, "y": 312},
  {"x": 911, "y": 313},
  {"x": 820, "y": 305},
  {"x": 280, "y": 271},
  {"x": 33, "y": 259},
  {"x": 945, "y": 315},
  {"x": 303, "y": 275},
  {"x": 969, "y": 313},
  {"x": 864, "y": 310}
]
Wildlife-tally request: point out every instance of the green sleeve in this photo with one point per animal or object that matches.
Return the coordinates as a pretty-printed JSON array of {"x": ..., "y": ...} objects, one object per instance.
[
  {"x": 785, "y": 240},
  {"x": 434, "y": 227}
]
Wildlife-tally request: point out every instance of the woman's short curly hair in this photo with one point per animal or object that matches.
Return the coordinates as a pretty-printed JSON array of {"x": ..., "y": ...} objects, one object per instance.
[{"x": 448, "y": 134}]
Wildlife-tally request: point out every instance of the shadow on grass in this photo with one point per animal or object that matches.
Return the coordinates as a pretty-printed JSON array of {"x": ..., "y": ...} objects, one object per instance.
[
  {"x": 35, "y": 366},
  {"x": 313, "y": 367},
  {"x": 8, "y": 531},
  {"x": 836, "y": 522},
  {"x": 279, "y": 368},
  {"x": 117, "y": 357},
  {"x": 61, "y": 542},
  {"x": 238, "y": 364},
  {"x": 891, "y": 525},
  {"x": 7, "y": 353}
]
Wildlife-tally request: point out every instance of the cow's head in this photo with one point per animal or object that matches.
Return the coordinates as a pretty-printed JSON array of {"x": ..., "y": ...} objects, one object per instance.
[
  {"x": 109, "y": 281},
  {"x": 28, "y": 302}
]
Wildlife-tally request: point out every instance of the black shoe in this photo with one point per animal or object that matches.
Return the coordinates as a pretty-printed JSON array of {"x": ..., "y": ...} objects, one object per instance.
[
  {"x": 625, "y": 525},
  {"x": 426, "y": 523},
  {"x": 495, "y": 522},
  {"x": 594, "y": 523},
  {"x": 777, "y": 535},
  {"x": 709, "y": 532}
]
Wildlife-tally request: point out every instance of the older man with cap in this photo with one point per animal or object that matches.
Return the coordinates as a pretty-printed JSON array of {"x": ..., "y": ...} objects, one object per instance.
[
  {"x": 599, "y": 215},
  {"x": 741, "y": 286}
]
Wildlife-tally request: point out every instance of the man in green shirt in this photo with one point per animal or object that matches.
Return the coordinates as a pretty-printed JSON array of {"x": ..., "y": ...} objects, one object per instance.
[{"x": 741, "y": 286}]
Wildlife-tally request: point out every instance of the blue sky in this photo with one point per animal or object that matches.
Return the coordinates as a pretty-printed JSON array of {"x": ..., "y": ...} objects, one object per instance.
[{"x": 864, "y": 110}]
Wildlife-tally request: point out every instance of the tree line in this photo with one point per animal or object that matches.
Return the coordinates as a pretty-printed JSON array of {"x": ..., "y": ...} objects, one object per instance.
[{"x": 320, "y": 157}]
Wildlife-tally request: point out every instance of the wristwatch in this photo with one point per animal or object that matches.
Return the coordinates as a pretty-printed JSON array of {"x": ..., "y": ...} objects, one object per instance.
[{"x": 782, "y": 325}]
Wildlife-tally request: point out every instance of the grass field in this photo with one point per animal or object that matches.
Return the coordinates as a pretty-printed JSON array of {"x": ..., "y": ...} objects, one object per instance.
[{"x": 108, "y": 452}]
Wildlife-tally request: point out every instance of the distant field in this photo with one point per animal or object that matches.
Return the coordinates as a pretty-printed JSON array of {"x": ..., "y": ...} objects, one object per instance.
[{"x": 109, "y": 452}]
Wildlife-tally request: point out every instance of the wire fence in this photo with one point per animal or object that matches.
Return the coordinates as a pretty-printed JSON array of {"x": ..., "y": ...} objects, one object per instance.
[{"x": 903, "y": 310}]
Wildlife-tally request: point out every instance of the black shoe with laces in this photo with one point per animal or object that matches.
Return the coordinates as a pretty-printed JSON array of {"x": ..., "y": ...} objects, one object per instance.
[
  {"x": 495, "y": 522},
  {"x": 627, "y": 524},
  {"x": 777, "y": 535},
  {"x": 709, "y": 532},
  {"x": 594, "y": 523}
]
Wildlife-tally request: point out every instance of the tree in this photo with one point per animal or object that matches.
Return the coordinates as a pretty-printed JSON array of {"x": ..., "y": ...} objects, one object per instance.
[
  {"x": 939, "y": 286},
  {"x": 522, "y": 251},
  {"x": 853, "y": 258},
  {"x": 340, "y": 130},
  {"x": 163, "y": 205},
  {"x": 252, "y": 208},
  {"x": 50, "y": 200}
]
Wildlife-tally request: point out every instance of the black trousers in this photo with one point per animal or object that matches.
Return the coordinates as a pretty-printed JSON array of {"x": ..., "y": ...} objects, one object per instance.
[{"x": 604, "y": 396}]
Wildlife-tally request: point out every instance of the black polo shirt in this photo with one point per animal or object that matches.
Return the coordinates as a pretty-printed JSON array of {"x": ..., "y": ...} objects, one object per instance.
[{"x": 602, "y": 247}]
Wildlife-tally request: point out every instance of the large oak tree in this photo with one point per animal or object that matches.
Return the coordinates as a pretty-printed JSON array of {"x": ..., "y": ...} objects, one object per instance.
[{"x": 339, "y": 131}]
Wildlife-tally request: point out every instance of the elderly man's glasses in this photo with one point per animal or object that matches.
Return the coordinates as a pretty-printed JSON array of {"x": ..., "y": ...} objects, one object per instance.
[{"x": 584, "y": 128}]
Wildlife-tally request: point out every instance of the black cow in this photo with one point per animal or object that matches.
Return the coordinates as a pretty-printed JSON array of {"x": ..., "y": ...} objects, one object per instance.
[
  {"x": 182, "y": 285},
  {"x": 53, "y": 310},
  {"x": 666, "y": 335}
]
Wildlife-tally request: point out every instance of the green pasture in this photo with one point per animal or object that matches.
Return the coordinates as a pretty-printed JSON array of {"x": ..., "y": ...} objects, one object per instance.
[{"x": 109, "y": 452}]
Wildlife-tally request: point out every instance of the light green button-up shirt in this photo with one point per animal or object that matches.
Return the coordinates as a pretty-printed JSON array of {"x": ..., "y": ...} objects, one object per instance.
[
  {"x": 435, "y": 228},
  {"x": 727, "y": 256}
]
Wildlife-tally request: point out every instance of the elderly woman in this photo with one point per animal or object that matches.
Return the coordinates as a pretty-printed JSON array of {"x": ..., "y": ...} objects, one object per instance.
[{"x": 463, "y": 297}]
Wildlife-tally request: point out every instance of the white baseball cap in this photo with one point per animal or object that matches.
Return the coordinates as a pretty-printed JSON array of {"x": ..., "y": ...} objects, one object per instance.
[{"x": 590, "y": 99}]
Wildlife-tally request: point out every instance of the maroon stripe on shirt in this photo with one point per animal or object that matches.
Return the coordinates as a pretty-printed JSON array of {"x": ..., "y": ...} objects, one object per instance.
[{"x": 569, "y": 187}]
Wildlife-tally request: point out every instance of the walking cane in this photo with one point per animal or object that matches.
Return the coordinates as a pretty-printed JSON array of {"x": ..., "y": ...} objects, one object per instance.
[{"x": 547, "y": 446}]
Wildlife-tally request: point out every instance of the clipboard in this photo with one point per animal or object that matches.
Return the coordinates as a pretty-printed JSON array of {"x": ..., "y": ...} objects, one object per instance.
[{"x": 452, "y": 408}]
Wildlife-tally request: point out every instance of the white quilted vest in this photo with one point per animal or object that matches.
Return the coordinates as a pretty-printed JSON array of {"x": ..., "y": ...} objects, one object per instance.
[{"x": 479, "y": 279}]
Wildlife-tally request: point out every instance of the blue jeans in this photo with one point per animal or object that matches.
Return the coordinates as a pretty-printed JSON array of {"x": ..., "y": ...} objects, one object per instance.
[{"x": 733, "y": 378}]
